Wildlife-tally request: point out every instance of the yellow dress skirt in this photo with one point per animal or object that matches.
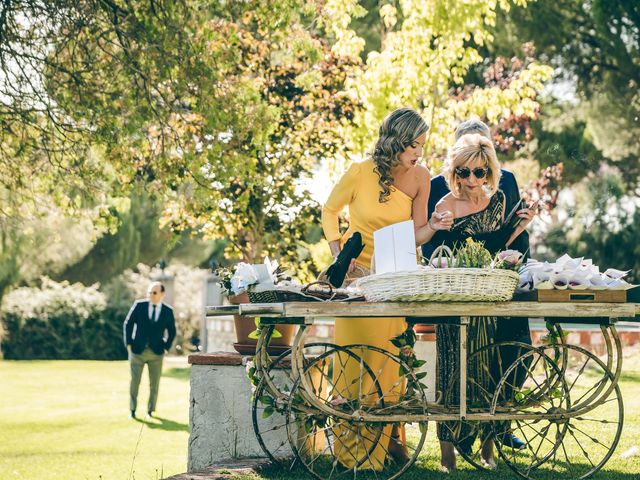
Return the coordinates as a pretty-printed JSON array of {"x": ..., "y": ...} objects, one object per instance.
[{"x": 353, "y": 445}]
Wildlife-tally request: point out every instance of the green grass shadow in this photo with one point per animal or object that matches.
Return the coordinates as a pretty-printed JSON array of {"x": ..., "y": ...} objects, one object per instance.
[
  {"x": 159, "y": 423},
  {"x": 178, "y": 373}
]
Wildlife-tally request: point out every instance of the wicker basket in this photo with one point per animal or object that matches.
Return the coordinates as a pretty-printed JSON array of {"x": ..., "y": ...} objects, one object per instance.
[
  {"x": 277, "y": 296},
  {"x": 313, "y": 292},
  {"x": 441, "y": 284}
]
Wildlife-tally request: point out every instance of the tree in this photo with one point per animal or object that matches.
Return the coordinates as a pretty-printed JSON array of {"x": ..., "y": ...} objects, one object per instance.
[
  {"x": 219, "y": 108},
  {"x": 222, "y": 108},
  {"x": 264, "y": 207},
  {"x": 595, "y": 47},
  {"x": 138, "y": 239},
  {"x": 427, "y": 49}
]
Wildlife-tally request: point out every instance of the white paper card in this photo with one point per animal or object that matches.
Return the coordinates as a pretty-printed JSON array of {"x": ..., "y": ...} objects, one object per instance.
[
  {"x": 262, "y": 273},
  {"x": 394, "y": 248}
]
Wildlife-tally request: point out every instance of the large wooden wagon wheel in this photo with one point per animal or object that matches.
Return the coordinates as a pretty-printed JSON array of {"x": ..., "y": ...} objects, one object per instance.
[
  {"x": 601, "y": 380},
  {"x": 269, "y": 403},
  {"x": 345, "y": 428},
  {"x": 571, "y": 438},
  {"x": 489, "y": 363}
]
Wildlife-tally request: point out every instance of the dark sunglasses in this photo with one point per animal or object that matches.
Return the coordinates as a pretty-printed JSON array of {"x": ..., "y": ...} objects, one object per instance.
[{"x": 465, "y": 172}]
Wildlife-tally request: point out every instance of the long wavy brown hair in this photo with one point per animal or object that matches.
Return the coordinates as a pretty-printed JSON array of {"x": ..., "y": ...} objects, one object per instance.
[{"x": 397, "y": 132}]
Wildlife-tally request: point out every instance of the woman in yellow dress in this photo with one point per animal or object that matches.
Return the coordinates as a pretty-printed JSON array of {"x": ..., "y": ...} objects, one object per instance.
[{"x": 390, "y": 187}]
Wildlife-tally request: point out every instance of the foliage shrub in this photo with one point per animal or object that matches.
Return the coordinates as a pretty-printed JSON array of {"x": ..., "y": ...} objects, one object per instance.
[{"x": 60, "y": 321}]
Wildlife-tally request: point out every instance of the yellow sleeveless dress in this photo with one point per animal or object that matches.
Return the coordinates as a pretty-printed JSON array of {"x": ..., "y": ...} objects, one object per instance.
[{"x": 359, "y": 190}]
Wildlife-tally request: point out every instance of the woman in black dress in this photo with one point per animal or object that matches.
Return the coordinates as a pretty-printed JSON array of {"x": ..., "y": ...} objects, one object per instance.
[{"x": 477, "y": 205}]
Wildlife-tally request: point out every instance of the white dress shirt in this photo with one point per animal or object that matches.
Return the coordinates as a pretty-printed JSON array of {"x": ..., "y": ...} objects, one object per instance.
[{"x": 158, "y": 308}]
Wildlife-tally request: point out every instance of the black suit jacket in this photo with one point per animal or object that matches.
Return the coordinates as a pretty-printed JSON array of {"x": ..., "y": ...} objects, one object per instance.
[
  {"x": 508, "y": 185},
  {"x": 148, "y": 332}
]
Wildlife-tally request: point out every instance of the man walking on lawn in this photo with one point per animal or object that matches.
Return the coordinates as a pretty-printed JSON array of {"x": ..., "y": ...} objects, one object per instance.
[{"x": 149, "y": 330}]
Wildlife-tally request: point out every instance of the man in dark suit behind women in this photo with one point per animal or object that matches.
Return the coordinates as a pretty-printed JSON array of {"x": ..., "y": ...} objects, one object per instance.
[
  {"x": 508, "y": 329},
  {"x": 149, "y": 330}
]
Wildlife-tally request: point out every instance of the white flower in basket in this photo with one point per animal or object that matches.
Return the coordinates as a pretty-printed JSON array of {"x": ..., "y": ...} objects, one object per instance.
[
  {"x": 244, "y": 276},
  {"x": 247, "y": 275}
]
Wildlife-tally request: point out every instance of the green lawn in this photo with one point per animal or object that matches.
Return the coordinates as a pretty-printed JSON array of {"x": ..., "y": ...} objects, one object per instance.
[{"x": 68, "y": 420}]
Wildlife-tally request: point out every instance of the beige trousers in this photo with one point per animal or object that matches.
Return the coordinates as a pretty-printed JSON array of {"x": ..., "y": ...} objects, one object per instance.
[{"x": 154, "y": 365}]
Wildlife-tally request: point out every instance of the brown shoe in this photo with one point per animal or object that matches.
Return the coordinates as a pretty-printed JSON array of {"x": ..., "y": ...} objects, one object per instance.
[{"x": 398, "y": 450}]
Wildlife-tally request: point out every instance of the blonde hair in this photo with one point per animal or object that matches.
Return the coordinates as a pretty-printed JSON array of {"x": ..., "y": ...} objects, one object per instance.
[{"x": 467, "y": 149}]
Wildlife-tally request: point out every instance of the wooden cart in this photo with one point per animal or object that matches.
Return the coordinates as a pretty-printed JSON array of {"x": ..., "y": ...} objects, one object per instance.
[{"x": 563, "y": 400}]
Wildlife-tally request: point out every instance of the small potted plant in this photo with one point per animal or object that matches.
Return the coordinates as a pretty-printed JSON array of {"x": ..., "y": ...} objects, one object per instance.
[{"x": 236, "y": 283}]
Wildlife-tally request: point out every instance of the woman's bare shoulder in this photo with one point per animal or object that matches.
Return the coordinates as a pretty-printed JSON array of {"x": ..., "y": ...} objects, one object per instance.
[
  {"x": 447, "y": 202},
  {"x": 422, "y": 177},
  {"x": 422, "y": 172}
]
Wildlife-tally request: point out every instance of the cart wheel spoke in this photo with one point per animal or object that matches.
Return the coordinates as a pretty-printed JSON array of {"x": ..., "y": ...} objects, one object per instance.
[
  {"x": 469, "y": 436},
  {"x": 270, "y": 427},
  {"x": 345, "y": 445},
  {"x": 583, "y": 412}
]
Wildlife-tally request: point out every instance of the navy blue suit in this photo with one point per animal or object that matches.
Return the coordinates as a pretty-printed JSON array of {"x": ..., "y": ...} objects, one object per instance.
[
  {"x": 141, "y": 332},
  {"x": 149, "y": 333}
]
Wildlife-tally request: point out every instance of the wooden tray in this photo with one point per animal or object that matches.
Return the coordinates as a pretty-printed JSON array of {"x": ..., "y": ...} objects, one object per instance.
[{"x": 582, "y": 296}]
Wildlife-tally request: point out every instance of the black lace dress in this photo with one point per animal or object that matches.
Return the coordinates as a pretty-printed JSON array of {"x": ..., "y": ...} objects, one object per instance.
[{"x": 480, "y": 331}]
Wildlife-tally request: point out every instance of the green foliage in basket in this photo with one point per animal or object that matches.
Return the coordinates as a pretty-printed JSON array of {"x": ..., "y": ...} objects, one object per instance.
[{"x": 472, "y": 254}]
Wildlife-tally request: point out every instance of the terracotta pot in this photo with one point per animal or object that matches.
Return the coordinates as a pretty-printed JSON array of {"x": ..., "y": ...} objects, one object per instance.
[
  {"x": 423, "y": 329},
  {"x": 245, "y": 325}
]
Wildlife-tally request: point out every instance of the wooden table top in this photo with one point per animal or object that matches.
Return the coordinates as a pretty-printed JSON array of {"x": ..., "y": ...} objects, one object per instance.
[{"x": 430, "y": 309}]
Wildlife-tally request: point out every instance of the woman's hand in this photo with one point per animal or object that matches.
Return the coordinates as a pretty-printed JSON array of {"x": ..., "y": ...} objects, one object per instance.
[
  {"x": 441, "y": 220},
  {"x": 527, "y": 214}
]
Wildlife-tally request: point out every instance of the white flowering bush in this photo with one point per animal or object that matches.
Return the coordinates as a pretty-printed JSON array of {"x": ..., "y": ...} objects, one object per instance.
[
  {"x": 59, "y": 320},
  {"x": 53, "y": 299}
]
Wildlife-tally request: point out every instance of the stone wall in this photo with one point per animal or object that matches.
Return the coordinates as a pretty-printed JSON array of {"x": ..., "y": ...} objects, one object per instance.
[{"x": 220, "y": 410}]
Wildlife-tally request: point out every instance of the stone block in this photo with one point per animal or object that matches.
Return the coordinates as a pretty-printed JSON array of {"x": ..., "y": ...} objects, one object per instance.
[
  {"x": 425, "y": 349},
  {"x": 220, "y": 411}
]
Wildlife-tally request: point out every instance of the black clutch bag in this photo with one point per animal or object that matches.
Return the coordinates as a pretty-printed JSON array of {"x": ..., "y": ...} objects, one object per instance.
[{"x": 337, "y": 271}]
